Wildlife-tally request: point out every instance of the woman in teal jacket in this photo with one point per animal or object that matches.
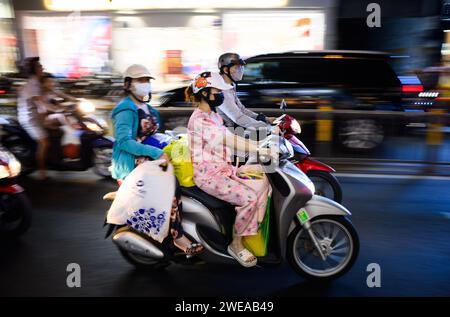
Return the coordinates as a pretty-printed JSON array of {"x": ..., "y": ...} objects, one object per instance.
[
  {"x": 126, "y": 147},
  {"x": 133, "y": 118}
]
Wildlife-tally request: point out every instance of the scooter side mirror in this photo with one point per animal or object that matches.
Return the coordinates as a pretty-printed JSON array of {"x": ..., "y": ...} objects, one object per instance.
[{"x": 283, "y": 105}]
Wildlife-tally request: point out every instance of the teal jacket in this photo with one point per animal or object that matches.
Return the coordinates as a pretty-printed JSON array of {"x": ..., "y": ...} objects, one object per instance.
[{"x": 126, "y": 149}]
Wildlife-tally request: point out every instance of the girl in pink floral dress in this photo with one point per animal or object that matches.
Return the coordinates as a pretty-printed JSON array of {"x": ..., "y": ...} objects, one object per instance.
[{"x": 213, "y": 171}]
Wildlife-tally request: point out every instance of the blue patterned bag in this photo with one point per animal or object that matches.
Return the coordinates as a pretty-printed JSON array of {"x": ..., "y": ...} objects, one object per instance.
[{"x": 148, "y": 221}]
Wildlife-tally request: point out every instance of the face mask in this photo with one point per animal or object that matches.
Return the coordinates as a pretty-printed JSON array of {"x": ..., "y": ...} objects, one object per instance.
[
  {"x": 218, "y": 100},
  {"x": 141, "y": 89},
  {"x": 238, "y": 74}
]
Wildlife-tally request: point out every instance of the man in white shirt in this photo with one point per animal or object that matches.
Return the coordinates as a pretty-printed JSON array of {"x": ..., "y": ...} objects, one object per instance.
[{"x": 233, "y": 112}]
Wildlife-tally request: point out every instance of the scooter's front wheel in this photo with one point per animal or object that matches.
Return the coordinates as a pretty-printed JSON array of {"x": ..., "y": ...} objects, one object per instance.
[{"x": 339, "y": 242}]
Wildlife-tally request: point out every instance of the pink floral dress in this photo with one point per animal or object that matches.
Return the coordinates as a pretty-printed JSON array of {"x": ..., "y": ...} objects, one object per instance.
[{"x": 215, "y": 175}]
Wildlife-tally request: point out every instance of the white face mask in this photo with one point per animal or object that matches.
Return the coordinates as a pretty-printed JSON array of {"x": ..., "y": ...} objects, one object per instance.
[
  {"x": 141, "y": 89},
  {"x": 238, "y": 73}
]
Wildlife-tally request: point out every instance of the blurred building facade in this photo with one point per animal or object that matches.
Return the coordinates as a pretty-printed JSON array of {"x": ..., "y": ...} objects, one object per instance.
[
  {"x": 174, "y": 43},
  {"x": 409, "y": 28},
  {"x": 176, "y": 39},
  {"x": 8, "y": 44}
]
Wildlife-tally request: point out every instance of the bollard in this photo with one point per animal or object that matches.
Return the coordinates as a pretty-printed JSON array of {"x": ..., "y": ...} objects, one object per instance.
[
  {"x": 324, "y": 129},
  {"x": 434, "y": 130},
  {"x": 435, "y": 136}
]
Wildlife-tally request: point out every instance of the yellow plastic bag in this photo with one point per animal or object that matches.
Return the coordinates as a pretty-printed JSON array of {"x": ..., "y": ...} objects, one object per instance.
[
  {"x": 257, "y": 244},
  {"x": 180, "y": 157}
]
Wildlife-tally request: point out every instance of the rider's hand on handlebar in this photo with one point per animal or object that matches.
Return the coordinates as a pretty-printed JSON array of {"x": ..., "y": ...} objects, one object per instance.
[
  {"x": 164, "y": 156},
  {"x": 275, "y": 130},
  {"x": 270, "y": 119}
]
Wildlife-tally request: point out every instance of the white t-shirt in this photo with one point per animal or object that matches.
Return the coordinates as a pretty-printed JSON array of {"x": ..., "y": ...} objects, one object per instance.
[
  {"x": 31, "y": 89},
  {"x": 234, "y": 112}
]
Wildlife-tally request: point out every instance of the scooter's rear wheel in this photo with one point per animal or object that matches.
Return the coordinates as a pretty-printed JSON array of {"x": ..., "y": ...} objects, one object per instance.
[
  {"x": 142, "y": 262},
  {"x": 338, "y": 240},
  {"x": 139, "y": 261}
]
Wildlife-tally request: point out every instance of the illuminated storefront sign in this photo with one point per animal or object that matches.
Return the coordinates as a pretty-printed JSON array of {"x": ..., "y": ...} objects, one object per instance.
[
  {"x": 100, "y": 5},
  {"x": 8, "y": 42},
  {"x": 6, "y": 11},
  {"x": 71, "y": 46},
  {"x": 277, "y": 31}
]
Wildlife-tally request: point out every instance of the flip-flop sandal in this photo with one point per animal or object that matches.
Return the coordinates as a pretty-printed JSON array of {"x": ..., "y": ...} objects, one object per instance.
[
  {"x": 191, "y": 250},
  {"x": 242, "y": 257}
]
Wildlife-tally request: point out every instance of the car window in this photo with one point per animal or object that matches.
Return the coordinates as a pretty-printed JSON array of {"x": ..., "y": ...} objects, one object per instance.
[
  {"x": 266, "y": 71},
  {"x": 324, "y": 71}
]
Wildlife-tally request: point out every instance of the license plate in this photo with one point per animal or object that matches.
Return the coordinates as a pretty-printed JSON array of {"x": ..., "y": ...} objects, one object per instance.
[{"x": 302, "y": 215}]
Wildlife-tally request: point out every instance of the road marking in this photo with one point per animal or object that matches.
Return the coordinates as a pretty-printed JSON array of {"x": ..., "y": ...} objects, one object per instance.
[{"x": 443, "y": 178}]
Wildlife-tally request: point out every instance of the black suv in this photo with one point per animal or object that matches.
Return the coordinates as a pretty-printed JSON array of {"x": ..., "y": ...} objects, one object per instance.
[{"x": 345, "y": 80}]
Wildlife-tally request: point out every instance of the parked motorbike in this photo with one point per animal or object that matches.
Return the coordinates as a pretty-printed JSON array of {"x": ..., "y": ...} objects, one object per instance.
[
  {"x": 95, "y": 149},
  {"x": 312, "y": 233},
  {"x": 325, "y": 182},
  {"x": 15, "y": 207}
]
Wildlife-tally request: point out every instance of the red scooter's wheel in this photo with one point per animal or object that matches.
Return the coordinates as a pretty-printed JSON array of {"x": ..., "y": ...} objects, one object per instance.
[{"x": 326, "y": 185}]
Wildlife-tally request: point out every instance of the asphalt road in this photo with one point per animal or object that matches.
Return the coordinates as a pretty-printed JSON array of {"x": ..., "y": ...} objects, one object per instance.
[{"x": 404, "y": 226}]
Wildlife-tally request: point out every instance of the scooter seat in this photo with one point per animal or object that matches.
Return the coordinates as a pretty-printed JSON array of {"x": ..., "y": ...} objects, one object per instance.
[
  {"x": 223, "y": 212},
  {"x": 210, "y": 202}
]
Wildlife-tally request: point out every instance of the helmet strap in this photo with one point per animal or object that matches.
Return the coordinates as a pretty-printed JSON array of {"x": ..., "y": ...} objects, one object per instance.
[
  {"x": 135, "y": 97},
  {"x": 228, "y": 74},
  {"x": 208, "y": 94}
]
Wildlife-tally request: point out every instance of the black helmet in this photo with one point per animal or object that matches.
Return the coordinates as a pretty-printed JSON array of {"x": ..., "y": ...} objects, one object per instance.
[
  {"x": 229, "y": 60},
  {"x": 29, "y": 65}
]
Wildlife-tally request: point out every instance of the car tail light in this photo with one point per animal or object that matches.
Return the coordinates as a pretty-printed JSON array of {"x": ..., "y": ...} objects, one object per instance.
[
  {"x": 2, "y": 92},
  {"x": 412, "y": 88}
]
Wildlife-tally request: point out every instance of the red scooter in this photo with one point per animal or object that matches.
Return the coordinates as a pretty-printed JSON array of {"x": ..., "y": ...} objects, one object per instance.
[
  {"x": 15, "y": 207},
  {"x": 320, "y": 174}
]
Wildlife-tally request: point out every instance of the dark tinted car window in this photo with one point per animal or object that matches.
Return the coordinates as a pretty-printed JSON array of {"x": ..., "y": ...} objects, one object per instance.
[
  {"x": 324, "y": 71},
  {"x": 262, "y": 71}
]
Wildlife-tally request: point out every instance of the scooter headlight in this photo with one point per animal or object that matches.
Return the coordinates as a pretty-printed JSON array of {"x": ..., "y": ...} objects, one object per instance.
[
  {"x": 15, "y": 167},
  {"x": 295, "y": 126},
  {"x": 93, "y": 127},
  {"x": 4, "y": 171},
  {"x": 9, "y": 165},
  {"x": 86, "y": 106}
]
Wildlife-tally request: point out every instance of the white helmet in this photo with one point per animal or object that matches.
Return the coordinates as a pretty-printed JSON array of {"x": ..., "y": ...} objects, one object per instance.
[
  {"x": 137, "y": 71},
  {"x": 209, "y": 80}
]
